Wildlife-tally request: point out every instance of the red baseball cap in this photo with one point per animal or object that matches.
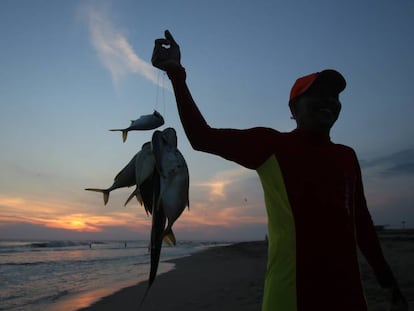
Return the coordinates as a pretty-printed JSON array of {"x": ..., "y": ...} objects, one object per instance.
[{"x": 328, "y": 78}]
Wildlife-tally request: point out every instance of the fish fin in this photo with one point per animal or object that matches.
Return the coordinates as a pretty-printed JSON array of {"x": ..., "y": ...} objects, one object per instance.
[
  {"x": 124, "y": 135},
  {"x": 104, "y": 192},
  {"x": 169, "y": 237},
  {"x": 129, "y": 198},
  {"x": 139, "y": 198}
]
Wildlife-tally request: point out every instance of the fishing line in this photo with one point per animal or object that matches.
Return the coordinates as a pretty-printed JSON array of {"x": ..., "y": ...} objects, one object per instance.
[
  {"x": 160, "y": 98},
  {"x": 163, "y": 94},
  {"x": 157, "y": 90}
]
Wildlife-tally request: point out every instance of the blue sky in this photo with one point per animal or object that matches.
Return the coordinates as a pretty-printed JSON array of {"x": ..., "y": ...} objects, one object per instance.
[{"x": 72, "y": 70}]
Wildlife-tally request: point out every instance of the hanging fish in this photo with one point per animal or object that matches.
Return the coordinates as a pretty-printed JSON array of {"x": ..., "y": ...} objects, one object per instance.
[
  {"x": 170, "y": 183},
  {"x": 174, "y": 177},
  {"x": 144, "y": 167},
  {"x": 125, "y": 178},
  {"x": 143, "y": 123}
]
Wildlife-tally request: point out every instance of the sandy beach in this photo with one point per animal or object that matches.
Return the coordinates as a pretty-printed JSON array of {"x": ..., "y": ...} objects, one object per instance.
[{"x": 231, "y": 278}]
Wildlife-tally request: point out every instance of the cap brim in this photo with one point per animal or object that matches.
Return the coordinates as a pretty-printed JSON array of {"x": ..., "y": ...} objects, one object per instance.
[{"x": 330, "y": 79}]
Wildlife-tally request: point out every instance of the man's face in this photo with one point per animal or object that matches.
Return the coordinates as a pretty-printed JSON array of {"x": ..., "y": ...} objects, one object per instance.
[{"x": 317, "y": 112}]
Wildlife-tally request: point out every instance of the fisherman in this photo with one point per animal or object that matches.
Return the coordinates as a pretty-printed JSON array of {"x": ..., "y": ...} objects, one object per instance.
[{"x": 317, "y": 213}]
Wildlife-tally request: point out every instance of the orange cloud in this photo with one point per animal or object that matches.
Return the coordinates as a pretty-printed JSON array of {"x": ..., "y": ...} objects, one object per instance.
[
  {"x": 217, "y": 188},
  {"x": 220, "y": 182},
  {"x": 65, "y": 215},
  {"x": 219, "y": 206},
  {"x": 202, "y": 214}
]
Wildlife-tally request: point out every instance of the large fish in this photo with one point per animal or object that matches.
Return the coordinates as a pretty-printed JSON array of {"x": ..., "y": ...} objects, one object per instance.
[
  {"x": 170, "y": 194},
  {"x": 125, "y": 178},
  {"x": 174, "y": 177},
  {"x": 143, "y": 123}
]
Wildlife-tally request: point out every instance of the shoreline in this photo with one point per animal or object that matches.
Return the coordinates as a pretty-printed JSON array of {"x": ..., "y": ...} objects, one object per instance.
[
  {"x": 229, "y": 277},
  {"x": 87, "y": 298},
  {"x": 174, "y": 291}
]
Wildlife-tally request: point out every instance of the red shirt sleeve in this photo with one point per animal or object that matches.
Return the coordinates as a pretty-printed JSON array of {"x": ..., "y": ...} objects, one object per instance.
[{"x": 249, "y": 147}]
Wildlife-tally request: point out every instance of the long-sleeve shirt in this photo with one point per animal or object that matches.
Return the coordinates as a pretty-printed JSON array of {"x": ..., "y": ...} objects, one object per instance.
[{"x": 317, "y": 212}]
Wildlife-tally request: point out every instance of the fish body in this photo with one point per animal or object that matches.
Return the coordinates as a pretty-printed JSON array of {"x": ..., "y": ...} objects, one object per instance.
[
  {"x": 144, "y": 168},
  {"x": 143, "y": 123},
  {"x": 174, "y": 196},
  {"x": 144, "y": 164},
  {"x": 174, "y": 177},
  {"x": 125, "y": 178}
]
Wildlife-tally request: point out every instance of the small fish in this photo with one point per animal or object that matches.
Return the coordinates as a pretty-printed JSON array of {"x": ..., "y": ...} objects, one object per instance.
[
  {"x": 125, "y": 178},
  {"x": 144, "y": 164},
  {"x": 174, "y": 177},
  {"x": 144, "y": 168},
  {"x": 143, "y": 123}
]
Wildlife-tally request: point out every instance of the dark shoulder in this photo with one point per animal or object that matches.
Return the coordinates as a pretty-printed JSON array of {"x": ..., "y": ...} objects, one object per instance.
[
  {"x": 346, "y": 151},
  {"x": 344, "y": 148}
]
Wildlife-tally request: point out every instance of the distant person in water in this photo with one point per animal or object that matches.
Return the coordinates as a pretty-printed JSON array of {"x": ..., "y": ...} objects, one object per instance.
[{"x": 317, "y": 213}]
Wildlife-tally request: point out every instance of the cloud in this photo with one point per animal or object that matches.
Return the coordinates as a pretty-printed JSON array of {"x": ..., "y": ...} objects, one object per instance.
[
  {"x": 66, "y": 216},
  {"x": 230, "y": 199},
  {"x": 25, "y": 230},
  {"x": 222, "y": 183},
  {"x": 222, "y": 206},
  {"x": 393, "y": 165},
  {"x": 113, "y": 48}
]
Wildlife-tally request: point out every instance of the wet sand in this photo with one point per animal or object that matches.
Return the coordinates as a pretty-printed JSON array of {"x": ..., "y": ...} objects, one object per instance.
[{"x": 232, "y": 277}]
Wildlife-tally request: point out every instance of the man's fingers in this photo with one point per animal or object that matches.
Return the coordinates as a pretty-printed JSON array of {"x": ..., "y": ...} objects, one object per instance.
[
  {"x": 159, "y": 42},
  {"x": 170, "y": 38},
  {"x": 166, "y": 54}
]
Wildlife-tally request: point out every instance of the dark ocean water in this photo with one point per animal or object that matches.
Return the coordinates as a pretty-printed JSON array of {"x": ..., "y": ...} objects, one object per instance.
[{"x": 36, "y": 275}]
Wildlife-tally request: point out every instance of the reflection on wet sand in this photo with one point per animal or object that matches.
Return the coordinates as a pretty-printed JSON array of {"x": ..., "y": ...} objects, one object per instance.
[{"x": 87, "y": 298}]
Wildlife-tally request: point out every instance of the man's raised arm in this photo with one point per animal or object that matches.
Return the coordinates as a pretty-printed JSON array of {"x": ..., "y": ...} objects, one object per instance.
[{"x": 234, "y": 145}]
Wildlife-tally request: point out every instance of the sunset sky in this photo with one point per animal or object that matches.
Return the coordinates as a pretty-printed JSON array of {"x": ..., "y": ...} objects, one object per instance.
[{"x": 72, "y": 70}]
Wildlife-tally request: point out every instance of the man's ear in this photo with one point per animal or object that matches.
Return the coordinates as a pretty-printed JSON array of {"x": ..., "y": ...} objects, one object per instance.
[{"x": 293, "y": 112}]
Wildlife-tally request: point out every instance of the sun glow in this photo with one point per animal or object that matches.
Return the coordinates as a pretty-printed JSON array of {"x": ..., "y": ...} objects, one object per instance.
[
  {"x": 75, "y": 224},
  {"x": 63, "y": 215}
]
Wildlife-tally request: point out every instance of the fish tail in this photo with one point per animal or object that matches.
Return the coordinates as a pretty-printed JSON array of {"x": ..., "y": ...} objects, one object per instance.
[
  {"x": 169, "y": 237},
  {"x": 124, "y": 135},
  {"x": 103, "y": 191},
  {"x": 145, "y": 296}
]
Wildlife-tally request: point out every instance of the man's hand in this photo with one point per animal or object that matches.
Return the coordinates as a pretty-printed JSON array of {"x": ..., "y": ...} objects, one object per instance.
[{"x": 166, "y": 55}]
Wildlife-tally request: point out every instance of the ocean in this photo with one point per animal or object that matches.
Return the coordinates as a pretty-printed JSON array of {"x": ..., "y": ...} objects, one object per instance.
[{"x": 43, "y": 275}]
